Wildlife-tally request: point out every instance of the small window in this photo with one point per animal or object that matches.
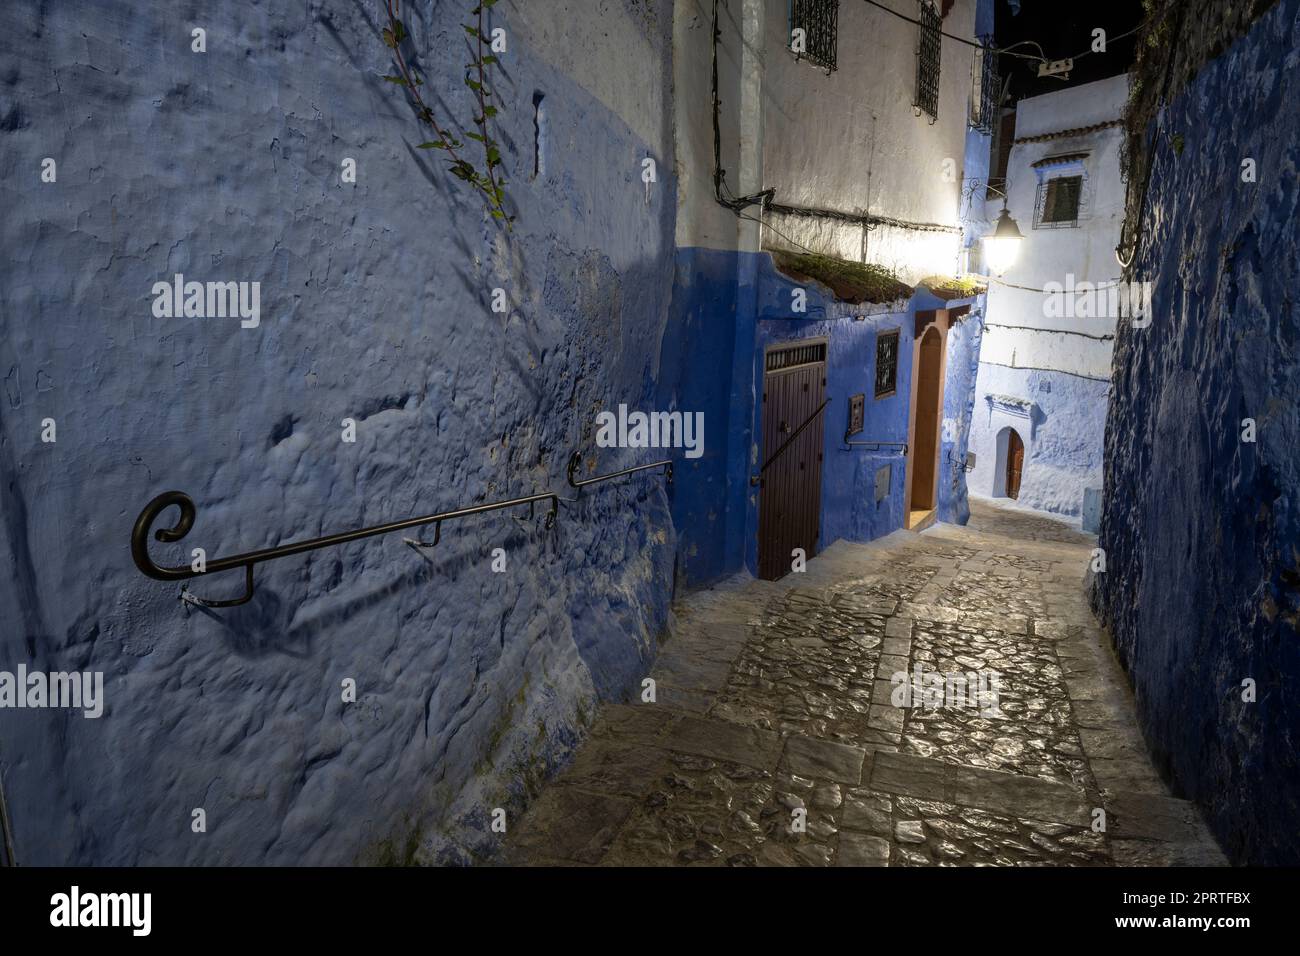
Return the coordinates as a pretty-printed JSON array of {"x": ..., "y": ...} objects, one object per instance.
[
  {"x": 986, "y": 89},
  {"x": 886, "y": 364},
  {"x": 814, "y": 25},
  {"x": 1059, "y": 201},
  {"x": 781, "y": 359},
  {"x": 928, "y": 51}
]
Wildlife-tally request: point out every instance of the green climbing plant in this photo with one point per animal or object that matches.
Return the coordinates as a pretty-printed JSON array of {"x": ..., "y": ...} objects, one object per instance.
[{"x": 488, "y": 181}]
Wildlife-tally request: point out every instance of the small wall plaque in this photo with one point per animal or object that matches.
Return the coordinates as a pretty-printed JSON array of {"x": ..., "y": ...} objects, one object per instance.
[{"x": 857, "y": 412}]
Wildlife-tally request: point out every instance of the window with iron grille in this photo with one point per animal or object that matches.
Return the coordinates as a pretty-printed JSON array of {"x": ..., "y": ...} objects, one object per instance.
[
  {"x": 927, "y": 61},
  {"x": 780, "y": 359},
  {"x": 886, "y": 364},
  {"x": 814, "y": 25},
  {"x": 1061, "y": 202},
  {"x": 987, "y": 88}
]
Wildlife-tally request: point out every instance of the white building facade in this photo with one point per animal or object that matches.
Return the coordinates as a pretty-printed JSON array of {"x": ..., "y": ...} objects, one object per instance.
[
  {"x": 861, "y": 139},
  {"x": 1043, "y": 383}
]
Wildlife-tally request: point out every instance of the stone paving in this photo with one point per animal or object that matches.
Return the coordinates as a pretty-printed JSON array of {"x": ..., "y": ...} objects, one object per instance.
[{"x": 775, "y": 739}]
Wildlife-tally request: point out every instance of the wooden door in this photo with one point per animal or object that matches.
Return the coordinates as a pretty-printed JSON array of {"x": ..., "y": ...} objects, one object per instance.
[
  {"x": 1015, "y": 463},
  {"x": 794, "y": 387}
]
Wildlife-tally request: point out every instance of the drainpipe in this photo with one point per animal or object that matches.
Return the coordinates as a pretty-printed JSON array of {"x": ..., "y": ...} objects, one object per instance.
[{"x": 749, "y": 243}]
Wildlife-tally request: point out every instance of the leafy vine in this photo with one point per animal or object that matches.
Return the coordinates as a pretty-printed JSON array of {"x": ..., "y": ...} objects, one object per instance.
[{"x": 488, "y": 182}]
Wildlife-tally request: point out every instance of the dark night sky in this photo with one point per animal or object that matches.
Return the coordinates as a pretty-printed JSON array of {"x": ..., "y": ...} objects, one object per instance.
[{"x": 1064, "y": 29}]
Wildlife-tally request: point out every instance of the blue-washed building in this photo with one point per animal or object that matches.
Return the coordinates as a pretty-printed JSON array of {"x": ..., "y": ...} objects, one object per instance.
[
  {"x": 1043, "y": 386},
  {"x": 1199, "y": 525},
  {"x": 408, "y": 354}
]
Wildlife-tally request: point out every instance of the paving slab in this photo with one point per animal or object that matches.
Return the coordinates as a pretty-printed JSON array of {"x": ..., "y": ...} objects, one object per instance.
[{"x": 774, "y": 704}]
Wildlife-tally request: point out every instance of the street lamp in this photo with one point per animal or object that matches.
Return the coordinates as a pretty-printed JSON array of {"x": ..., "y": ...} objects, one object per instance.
[{"x": 1003, "y": 246}]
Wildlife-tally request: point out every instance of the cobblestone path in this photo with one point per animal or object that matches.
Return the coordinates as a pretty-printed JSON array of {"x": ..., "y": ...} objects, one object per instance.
[{"x": 774, "y": 739}]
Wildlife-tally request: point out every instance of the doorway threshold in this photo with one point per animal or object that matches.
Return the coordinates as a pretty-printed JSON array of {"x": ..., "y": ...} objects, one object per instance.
[{"x": 920, "y": 520}]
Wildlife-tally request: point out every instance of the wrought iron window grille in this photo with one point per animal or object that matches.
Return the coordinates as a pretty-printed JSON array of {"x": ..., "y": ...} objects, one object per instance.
[
  {"x": 886, "y": 364},
  {"x": 928, "y": 53},
  {"x": 780, "y": 359},
  {"x": 1062, "y": 202},
  {"x": 814, "y": 29},
  {"x": 987, "y": 90}
]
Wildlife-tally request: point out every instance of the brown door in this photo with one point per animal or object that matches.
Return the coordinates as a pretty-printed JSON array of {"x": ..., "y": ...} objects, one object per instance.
[
  {"x": 1015, "y": 463},
  {"x": 794, "y": 386}
]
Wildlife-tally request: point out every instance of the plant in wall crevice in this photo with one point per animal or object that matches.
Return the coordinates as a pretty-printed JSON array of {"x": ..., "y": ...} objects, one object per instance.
[{"x": 488, "y": 181}]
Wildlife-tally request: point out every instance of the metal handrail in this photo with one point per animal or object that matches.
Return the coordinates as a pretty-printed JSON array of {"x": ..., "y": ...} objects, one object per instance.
[
  {"x": 575, "y": 462},
  {"x": 146, "y": 564},
  {"x": 863, "y": 443},
  {"x": 755, "y": 479}
]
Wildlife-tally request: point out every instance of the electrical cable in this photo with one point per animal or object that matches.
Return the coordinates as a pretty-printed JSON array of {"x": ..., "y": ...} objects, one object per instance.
[
  {"x": 1030, "y": 328},
  {"x": 1109, "y": 40},
  {"x": 902, "y": 16},
  {"x": 767, "y": 225}
]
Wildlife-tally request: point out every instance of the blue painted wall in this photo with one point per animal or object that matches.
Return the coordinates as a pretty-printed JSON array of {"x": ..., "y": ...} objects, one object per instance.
[
  {"x": 375, "y": 299},
  {"x": 1063, "y": 434},
  {"x": 849, "y": 509},
  {"x": 472, "y": 686},
  {"x": 1201, "y": 529},
  {"x": 958, "y": 406},
  {"x": 698, "y": 356}
]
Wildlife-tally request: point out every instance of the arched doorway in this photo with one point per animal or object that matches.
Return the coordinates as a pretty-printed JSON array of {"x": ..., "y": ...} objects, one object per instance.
[
  {"x": 1010, "y": 464},
  {"x": 926, "y": 408},
  {"x": 1015, "y": 463}
]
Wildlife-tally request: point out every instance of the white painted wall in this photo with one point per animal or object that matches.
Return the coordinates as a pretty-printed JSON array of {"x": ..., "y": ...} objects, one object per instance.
[
  {"x": 1048, "y": 255},
  {"x": 852, "y": 141},
  {"x": 557, "y": 29},
  {"x": 1057, "y": 365},
  {"x": 701, "y": 222}
]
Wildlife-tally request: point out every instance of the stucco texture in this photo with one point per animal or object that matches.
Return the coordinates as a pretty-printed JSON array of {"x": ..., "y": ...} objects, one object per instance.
[
  {"x": 375, "y": 300},
  {"x": 1201, "y": 528}
]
